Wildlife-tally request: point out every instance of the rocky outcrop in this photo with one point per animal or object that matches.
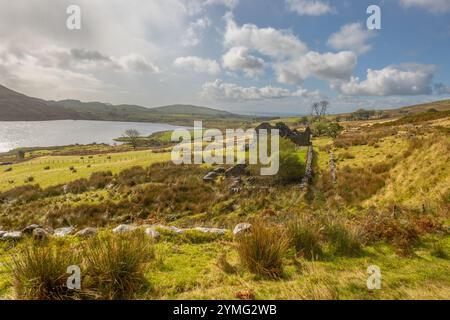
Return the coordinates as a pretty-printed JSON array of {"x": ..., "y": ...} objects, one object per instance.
[
  {"x": 241, "y": 228},
  {"x": 63, "y": 232},
  {"x": 152, "y": 233},
  {"x": 210, "y": 176},
  {"x": 211, "y": 230},
  {"x": 12, "y": 236},
  {"x": 40, "y": 234},
  {"x": 124, "y": 228},
  {"x": 86, "y": 232},
  {"x": 237, "y": 170},
  {"x": 29, "y": 229}
]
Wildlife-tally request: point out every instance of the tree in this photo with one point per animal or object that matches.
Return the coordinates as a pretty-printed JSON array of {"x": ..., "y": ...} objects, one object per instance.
[
  {"x": 319, "y": 109},
  {"x": 132, "y": 136},
  {"x": 20, "y": 154}
]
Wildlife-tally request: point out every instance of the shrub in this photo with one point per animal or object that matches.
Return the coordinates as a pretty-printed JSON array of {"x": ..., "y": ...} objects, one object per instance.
[
  {"x": 8, "y": 169},
  {"x": 77, "y": 186},
  {"x": 438, "y": 251},
  {"x": 39, "y": 271},
  {"x": 261, "y": 251},
  {"x": 133, "y": 176},
  {"x": 100, "y": 179},
  {"x": 344, "y": 241},
  {"x": 292, "y": 167},
  {"x": 47, "y": 168},
  {"x": 115, "y": 264},
  {"x": 305, "y": 238},
  {"x": 29, "y": 179}
]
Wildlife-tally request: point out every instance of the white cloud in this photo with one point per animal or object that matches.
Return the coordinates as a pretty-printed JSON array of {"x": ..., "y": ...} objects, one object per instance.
[
  {"x": 218, "y": 90},
  {"x": 136, "y": 63},
  {"x": 309, "y": 7},
  {"x": 197, "y": 64},
  {"x": 28, "y": 74},
  {"x": 239, "y": 59},
  {"x": 327, "y": 66},
  {"x": 404, "y": 80},
  {"x": 194, "y": 32},
  {"x": 227, "y": 3},
  {"x": 434, "y": 6},
  {"x": 268, "y": 41},
  {"x": 353, "y": 37}
]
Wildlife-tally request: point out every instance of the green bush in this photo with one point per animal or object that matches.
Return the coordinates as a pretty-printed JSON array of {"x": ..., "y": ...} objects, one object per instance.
[
  {"x": 292, "y": 167},
  {"x": 262, "y": 250}
]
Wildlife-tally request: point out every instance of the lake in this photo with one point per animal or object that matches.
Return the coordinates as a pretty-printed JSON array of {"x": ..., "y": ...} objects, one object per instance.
[{"x": 14, "y": 134}]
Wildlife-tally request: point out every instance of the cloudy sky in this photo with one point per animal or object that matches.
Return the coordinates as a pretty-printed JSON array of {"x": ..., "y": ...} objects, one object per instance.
[{"x": 248, "y": 56}]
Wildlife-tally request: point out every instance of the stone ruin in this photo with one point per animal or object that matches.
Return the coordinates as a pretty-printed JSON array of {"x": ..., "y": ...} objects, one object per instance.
[{"x": 299, "y": 138}]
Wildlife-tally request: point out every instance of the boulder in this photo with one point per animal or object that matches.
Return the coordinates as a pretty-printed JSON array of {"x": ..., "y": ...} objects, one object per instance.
[
  {"x": 31, "y": 228},
  {"x": 219, "y": 170},
  {"x": 152, "y": 233},
  {"x": 40, "y": 234},
  {"x": 86, "y": 232},
  {"x": 63, "y": 232},
  {"x": 211, "y": 230},
  {"x": 124, "y": 228},
  {"x": 169, "y": 228},
  {"x": 13, "y": 235},
  {"x": 210, "y": 176},
  {"x": 2, "y": 233},
  {"x": 237, "y": 170},
  {"x": 241, "y": 227}
]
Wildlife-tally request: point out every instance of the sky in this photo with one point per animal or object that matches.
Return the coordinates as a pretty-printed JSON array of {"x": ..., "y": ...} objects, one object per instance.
[{"x": 245, "y": 56}]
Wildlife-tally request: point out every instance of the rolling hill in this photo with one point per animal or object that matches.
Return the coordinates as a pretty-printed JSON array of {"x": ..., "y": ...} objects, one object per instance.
[{"x": 15, "y": 106}]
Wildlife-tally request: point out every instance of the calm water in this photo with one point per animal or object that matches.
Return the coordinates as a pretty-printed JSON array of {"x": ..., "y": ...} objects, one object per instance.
[{"x": 15, "y": 134}]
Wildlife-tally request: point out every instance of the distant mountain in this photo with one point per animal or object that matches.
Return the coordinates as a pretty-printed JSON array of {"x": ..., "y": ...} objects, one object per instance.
[{"x": 16, "y": 106}]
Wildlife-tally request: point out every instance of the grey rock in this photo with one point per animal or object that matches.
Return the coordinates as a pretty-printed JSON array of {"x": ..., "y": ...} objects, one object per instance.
[
  {"x": 241, "y": 227},
  {"x": 219, "y": 170},
  {"x": 211, "y": 230},
  {"x": 31, "y": 228},
  {"x": 86, "y": 232},
  {"x": 40, "y": 234},
  {"x": 124, "y": 228},
  {"x": 13, "y": 235},
  {"x": 210, "y": 176},
  {"x": 63, "y": 232},
  {"x": 169, "y": 228},
  {"x": 237, "y": 170},
  {"x": 2, "y": 233},
  {"x": 152, "y": 233}
]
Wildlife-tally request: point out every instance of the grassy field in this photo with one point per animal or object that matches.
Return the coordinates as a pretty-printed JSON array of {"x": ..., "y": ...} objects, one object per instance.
[
  {"x": 59, "y": 171},
  {"x": 389, "y": 206}
]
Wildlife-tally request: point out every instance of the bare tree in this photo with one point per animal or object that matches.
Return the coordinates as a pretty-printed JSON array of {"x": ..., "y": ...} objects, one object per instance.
[
  {"x": 319, "y": 109},
  {"x": 132, "y": 136}
]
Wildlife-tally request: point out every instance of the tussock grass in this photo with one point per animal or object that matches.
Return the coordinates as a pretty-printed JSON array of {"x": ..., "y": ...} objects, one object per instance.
[
  {"x": 345, "y": 241},
  {"x": 305, "y": 237},
  {"x": 39, "y": 271},
  {"x": 262, "y": 250},
  {"x": 115, "y": 264}
]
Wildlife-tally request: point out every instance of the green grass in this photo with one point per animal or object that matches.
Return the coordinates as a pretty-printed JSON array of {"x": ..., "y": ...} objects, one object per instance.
[{"x": 60, "y": 172}]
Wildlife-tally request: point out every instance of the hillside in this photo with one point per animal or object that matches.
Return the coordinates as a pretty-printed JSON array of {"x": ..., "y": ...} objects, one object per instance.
[
  {"x": 442, "y": 105},
  {"x": 16, "y": 106}
]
